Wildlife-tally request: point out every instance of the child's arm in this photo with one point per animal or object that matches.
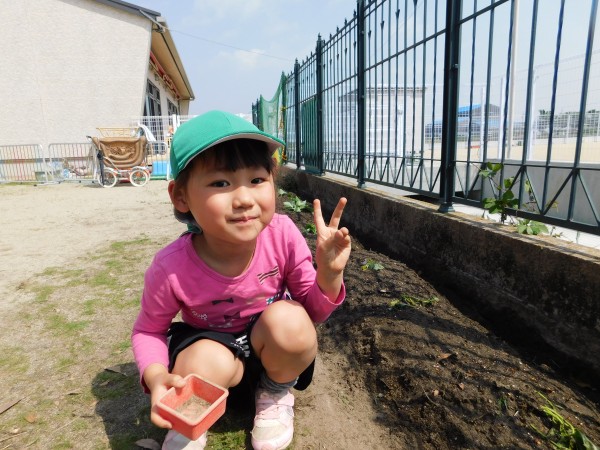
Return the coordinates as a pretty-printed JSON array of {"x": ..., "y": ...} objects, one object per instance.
[{"x": 333, "y": 249}]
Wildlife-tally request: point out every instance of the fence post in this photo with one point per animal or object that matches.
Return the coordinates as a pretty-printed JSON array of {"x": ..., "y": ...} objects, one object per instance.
[
  {"x": 297, "y": 113},
  {"x": 450, "y": 107},
  {"x": 360, "y": 92},
  {"x": 283, "y": 109},
  {"x": 576, "y": 174},
  {"x": 259, "y": 106},
  {"x": 319, "y": 60}
]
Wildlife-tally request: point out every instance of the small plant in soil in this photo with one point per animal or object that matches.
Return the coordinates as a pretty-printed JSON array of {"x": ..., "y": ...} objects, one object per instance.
[
  {"x": 504, "y": 196},
  {"x": 310, "y": 228},
  {"x": 526, "y": 226},
  {"x": 413, "y": 302},
  {"x": 370, "y": 264},
  {"x": 562, "y": 434},
  {"x": 295, "y": 204},
  {"x": 504, "y": 200}
]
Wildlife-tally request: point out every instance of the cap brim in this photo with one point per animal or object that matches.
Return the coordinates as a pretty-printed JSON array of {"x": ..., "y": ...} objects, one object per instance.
[{"x": 272, "y": 144}]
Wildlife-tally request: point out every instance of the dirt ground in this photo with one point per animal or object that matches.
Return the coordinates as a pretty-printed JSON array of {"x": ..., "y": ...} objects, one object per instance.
[{"x": 402, "y": 364}]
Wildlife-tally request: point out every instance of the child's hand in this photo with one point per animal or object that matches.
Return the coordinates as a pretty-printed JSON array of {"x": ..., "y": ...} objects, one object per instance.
[
  {"x": 333, "y": 249},
  {"x": 159, "y": 381}
]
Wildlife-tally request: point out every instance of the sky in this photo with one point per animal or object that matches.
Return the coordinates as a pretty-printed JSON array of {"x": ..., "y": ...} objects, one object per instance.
[{"x": 234, "y": 51}]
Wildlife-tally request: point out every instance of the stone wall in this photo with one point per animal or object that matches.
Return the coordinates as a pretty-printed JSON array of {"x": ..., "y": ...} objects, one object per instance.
[{"x": 536, "y": 288}]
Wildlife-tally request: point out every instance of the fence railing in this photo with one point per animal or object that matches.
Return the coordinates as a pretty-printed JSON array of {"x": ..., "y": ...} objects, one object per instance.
[
  {"x": 78, "y": 162},
  {"x": 420, "y": 95}
]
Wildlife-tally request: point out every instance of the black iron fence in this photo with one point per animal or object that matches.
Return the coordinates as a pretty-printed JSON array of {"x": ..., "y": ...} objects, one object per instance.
[{"x": 421, "y": 94}]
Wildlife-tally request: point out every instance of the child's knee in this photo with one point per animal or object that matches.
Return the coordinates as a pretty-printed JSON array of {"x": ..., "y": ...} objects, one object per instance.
[
  {"x": 211, "y": 360},
  {"x": 288, "y": 326}
]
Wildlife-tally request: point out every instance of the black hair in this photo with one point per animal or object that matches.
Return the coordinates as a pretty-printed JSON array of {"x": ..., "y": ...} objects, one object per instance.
[{"x": 227, "y": 156}]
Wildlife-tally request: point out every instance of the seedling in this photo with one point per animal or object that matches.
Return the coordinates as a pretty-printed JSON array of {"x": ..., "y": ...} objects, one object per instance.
[
  {"x": 526, "y": 226},
  {"x": 296, "y": 205},
  {"x": 503, "y": 403},
  {"x": 562, "y": 434},
  {"x": 504, "y": 200},
  {"x": 413, "y": 302},
  {"x": 310, "y": 228},
  {"x": 372, "y": 265}
]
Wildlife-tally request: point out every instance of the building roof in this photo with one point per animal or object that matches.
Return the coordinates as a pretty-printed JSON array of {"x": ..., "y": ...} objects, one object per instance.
[
  {"x": 130, "y": 7},
  {"x": 162, "y": 46}
]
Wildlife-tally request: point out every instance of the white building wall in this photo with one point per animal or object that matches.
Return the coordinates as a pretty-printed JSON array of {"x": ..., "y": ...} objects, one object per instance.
[{"x": 68, "y": 67}]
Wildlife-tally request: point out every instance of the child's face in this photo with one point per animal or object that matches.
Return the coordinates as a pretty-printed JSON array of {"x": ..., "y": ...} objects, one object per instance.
[{"x": 233, "y": 207}]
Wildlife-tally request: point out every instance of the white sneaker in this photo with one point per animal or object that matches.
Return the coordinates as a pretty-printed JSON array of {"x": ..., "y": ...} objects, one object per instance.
[
  {"x": 274, "y": 420},
  {"x": 176, "y": 441}
]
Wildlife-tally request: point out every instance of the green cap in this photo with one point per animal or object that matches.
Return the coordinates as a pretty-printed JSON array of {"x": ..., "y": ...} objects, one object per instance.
[{"x": 209, "y": 129}]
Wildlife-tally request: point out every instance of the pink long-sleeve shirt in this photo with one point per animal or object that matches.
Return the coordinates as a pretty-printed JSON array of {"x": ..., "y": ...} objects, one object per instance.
[{"x": 178, "y": 280}]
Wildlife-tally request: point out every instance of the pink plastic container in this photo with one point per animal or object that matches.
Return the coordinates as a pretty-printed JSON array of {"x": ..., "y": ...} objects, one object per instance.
[{"x": 194, "y": 408}]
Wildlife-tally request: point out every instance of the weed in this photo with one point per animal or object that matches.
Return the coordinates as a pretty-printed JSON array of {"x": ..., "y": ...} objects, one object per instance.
[
  {"x": 370, "y": 264},
  {"x": 562, "y": 434},
  {"x": 310, "y": 228},
  {"x": 42, "y": 293},
  {"x": 526, "y": 226},
  {"x": 15, "y": 359},
  {"x": 503, "y": 404},
  {"x": 296, "y": 205},
  {"x": 228, "y": 440},
  {"x": 122, "y": 346},
  {"x": 413, "y": 302},
  {"x": 504, "y": 200}
]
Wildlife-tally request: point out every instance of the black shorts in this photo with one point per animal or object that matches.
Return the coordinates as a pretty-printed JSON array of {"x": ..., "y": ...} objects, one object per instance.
[{"x": 181, "y": 335}]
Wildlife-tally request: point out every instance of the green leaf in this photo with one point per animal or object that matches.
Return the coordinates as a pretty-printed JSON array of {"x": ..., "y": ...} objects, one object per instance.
[
  {"x": 508, "y": 182},
  {"x": 508, "y": 195},
  {"x": 495, "y": 208},
  {"x": 310, "y": 228},
  {"x": 489, "y": 202},
  {"x": 582, "y": 442},
  {"x": 372, "y": 265},
  {"x": 514, "y": 203}
]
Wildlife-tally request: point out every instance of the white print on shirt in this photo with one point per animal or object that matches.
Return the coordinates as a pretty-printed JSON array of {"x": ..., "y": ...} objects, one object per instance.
[
  {"x": 271, "y": 273},
  {"x": 200, "y": 316}
]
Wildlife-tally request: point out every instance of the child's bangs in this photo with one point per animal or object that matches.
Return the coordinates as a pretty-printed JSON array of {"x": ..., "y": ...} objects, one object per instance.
[{"x": 239, "y": 154}]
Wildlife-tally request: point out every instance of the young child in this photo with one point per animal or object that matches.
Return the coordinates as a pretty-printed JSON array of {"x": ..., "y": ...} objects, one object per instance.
[{"x": 242, "y": 278}]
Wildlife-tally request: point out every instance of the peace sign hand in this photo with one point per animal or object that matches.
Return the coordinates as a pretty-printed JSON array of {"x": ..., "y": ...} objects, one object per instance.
[{"x": 333, "y": 249}]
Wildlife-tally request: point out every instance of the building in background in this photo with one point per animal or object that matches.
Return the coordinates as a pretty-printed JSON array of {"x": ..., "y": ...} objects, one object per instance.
[{"x": 70, "y": 66}]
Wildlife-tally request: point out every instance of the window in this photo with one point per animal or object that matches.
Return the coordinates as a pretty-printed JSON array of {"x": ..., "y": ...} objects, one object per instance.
[
  {"x": 152, "y": 109},
  {"x": 172, "y": 108},
  {"x": 152, "y": 104}
]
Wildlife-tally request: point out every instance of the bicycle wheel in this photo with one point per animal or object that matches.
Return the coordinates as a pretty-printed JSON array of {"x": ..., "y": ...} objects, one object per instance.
[
  {"x": 139, "y": 177},
  {"x": 110, "y": 178}
]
